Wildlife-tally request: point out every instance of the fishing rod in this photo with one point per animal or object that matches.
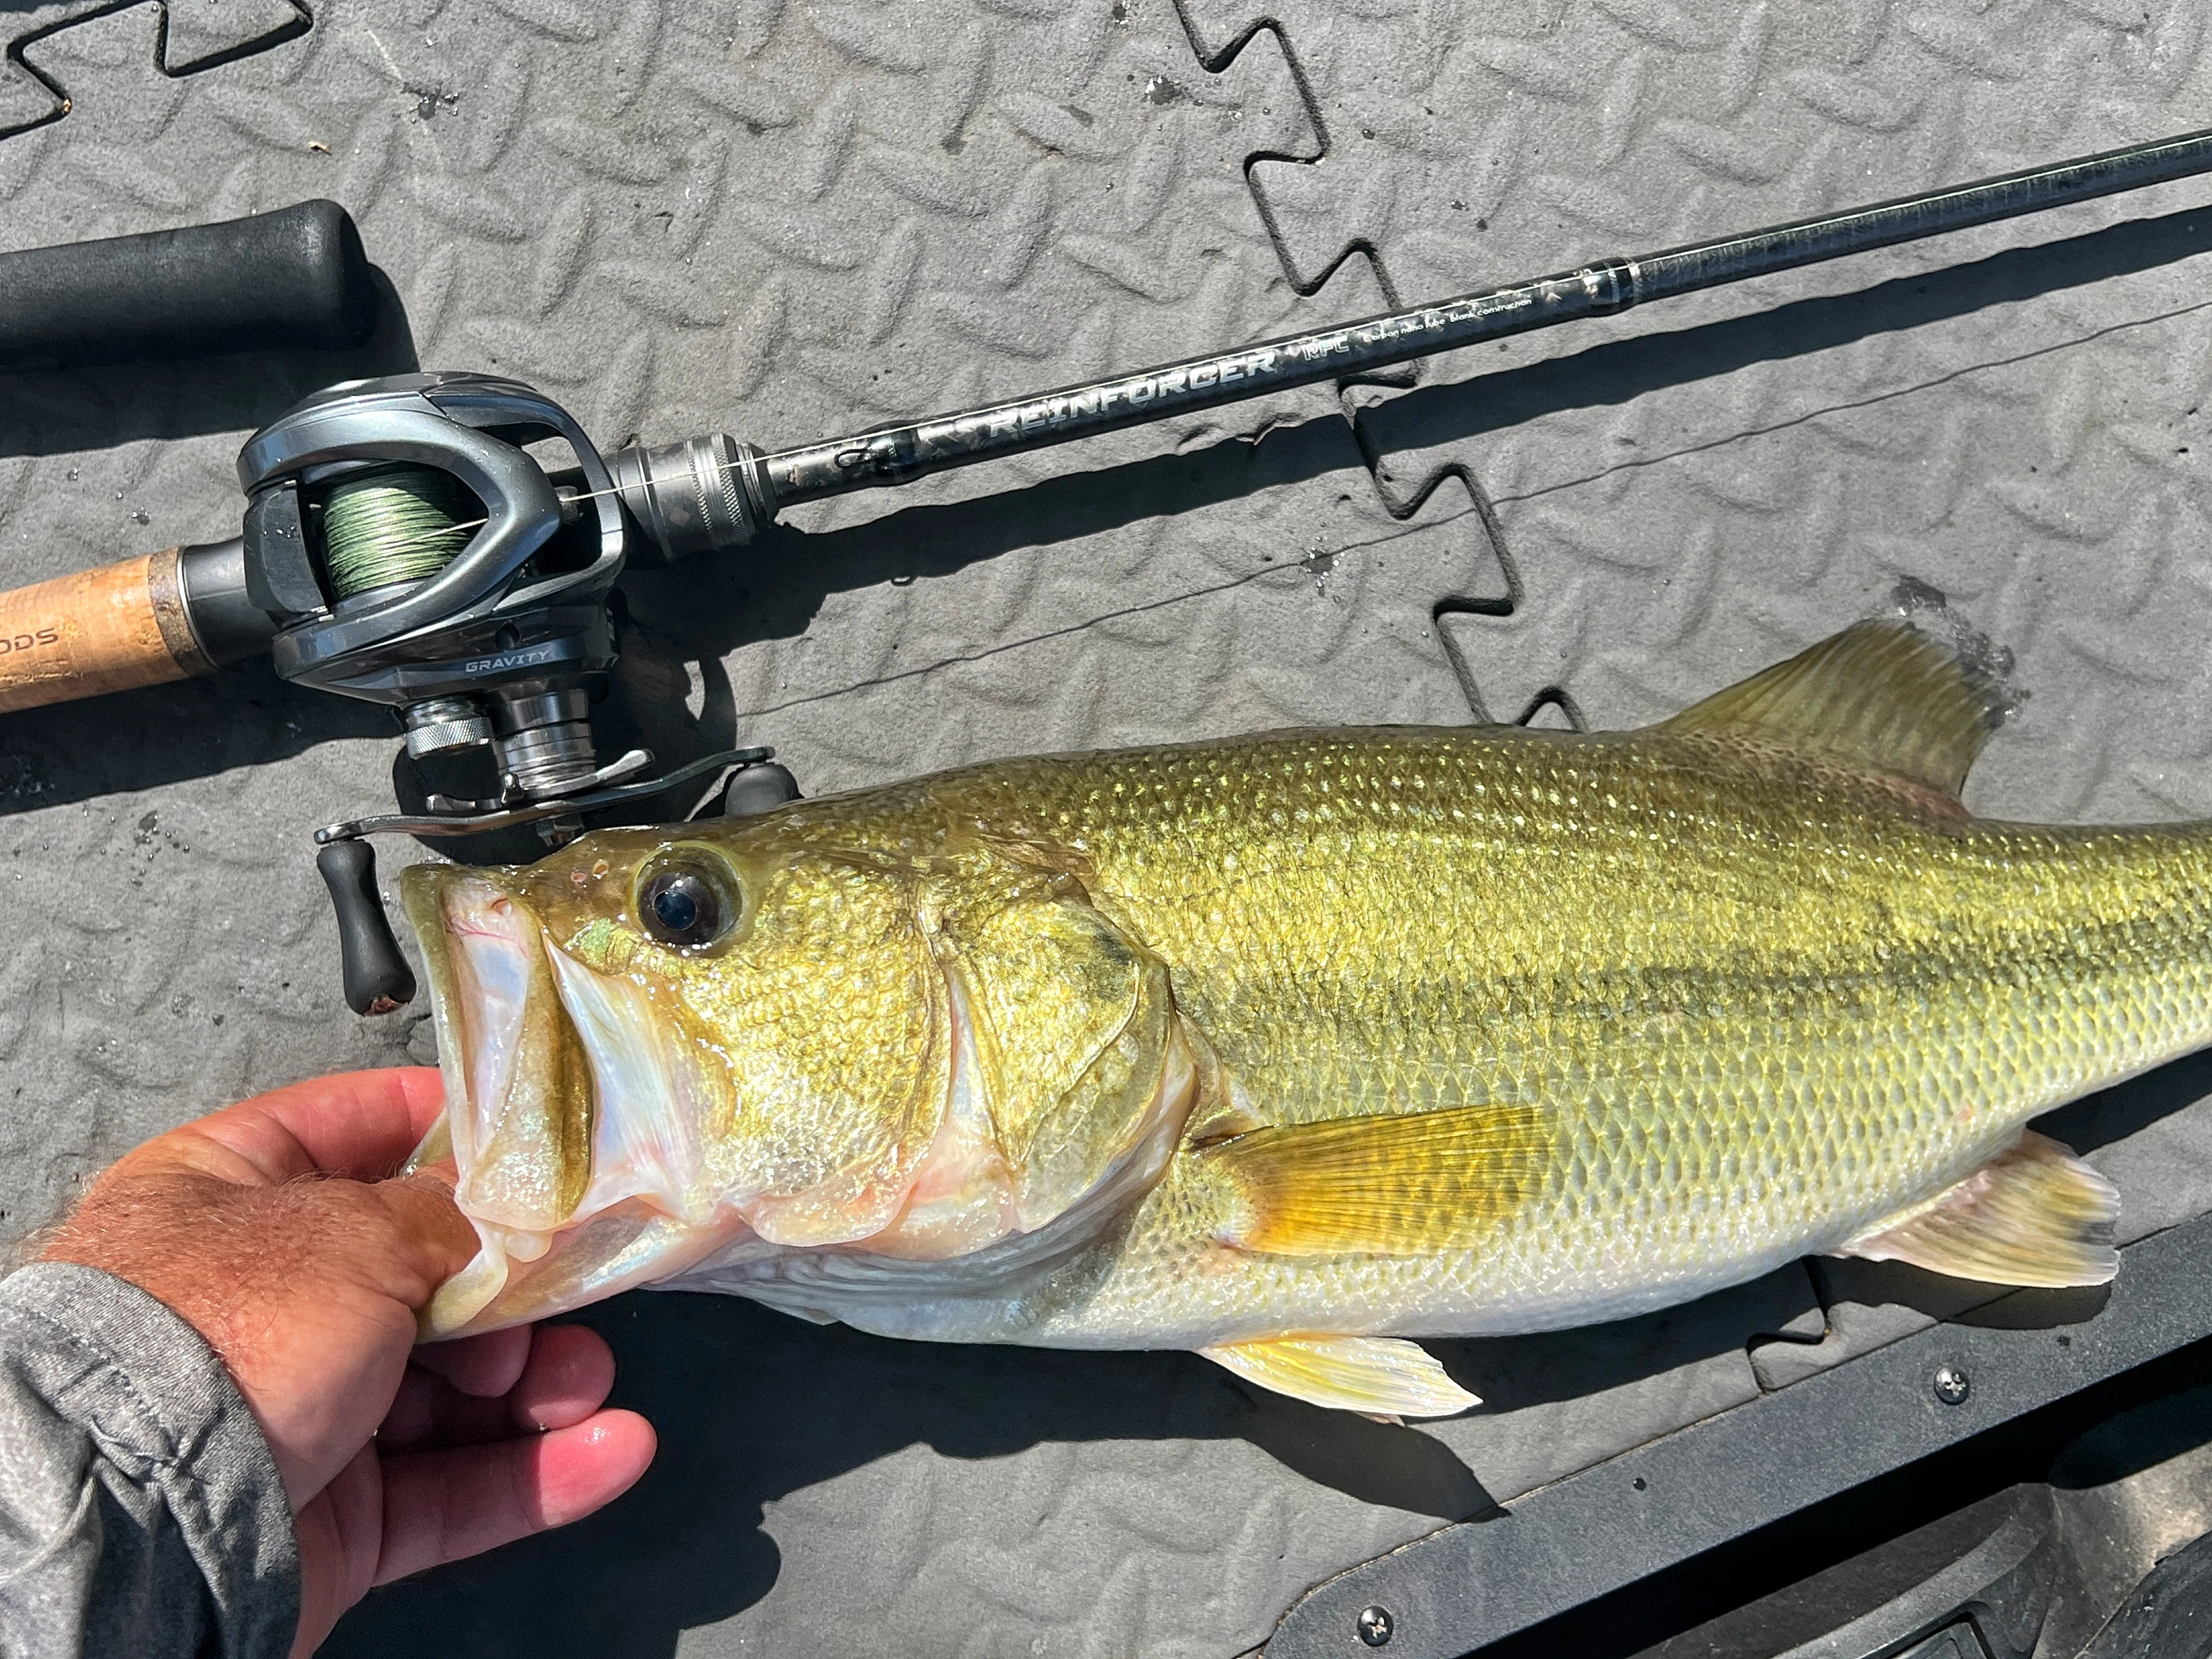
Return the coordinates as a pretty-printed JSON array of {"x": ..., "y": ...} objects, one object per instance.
[{"x": 400, "y": 546}]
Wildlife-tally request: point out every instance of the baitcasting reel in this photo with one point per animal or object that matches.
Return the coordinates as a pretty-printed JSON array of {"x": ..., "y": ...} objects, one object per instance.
[
  {"x": 409, "y": 550},
  {"x": 403, "y": 546}
]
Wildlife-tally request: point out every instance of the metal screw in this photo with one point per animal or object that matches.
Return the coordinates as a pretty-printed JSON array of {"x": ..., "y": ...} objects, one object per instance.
[
  {"x": 1376, "y": 1625},
  {"x": 1951, "y": 1384}
]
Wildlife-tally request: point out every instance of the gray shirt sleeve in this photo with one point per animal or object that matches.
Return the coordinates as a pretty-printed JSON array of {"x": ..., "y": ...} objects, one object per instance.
[{"x": 141, "y": 1512}]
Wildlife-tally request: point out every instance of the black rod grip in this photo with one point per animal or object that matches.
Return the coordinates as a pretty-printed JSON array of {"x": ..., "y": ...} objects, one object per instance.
[
  {"x": 377, "y": 977},
  {"x": 295, "y": 278}
]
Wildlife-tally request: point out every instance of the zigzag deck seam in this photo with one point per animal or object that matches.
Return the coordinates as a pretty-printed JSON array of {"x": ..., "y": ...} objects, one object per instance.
[
  {"x": 1399, "y": 507},
  {"x": 303, "y": 20}
]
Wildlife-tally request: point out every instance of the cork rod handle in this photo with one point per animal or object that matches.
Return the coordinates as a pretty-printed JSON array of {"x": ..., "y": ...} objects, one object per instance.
[{"x": 108, "y": 630}]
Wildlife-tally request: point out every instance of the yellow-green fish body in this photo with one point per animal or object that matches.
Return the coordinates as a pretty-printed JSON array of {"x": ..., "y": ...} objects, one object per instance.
[{"x": 1266, "y": 1046}]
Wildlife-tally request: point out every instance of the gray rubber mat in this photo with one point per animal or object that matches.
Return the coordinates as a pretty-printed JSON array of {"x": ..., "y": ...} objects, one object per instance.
[{"x": 787, "y": 220}]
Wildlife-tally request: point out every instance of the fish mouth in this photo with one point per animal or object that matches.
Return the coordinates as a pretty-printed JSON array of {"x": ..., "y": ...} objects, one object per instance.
[
  {"x": 574, "y": 1108},
  {"x": 572, "y": 1130}
]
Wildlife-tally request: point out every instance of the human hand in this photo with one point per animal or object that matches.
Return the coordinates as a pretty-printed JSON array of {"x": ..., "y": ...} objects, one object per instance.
[{"x": 273, "y": 1230}]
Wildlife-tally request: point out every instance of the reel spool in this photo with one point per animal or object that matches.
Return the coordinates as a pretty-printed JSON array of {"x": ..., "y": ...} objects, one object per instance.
[{"x": 381, "y": 529}]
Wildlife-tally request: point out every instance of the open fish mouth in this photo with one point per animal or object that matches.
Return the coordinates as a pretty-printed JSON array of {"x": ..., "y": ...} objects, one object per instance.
[
  {"x": 572, "y": 1126},
  {"x": 578, "y": 1103}
]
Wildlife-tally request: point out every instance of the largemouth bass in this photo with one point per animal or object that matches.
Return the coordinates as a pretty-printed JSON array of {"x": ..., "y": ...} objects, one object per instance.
[{"x": 1290, "y": 1048}]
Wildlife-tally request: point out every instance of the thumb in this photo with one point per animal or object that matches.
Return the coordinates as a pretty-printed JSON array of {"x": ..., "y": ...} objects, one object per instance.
[{"x": 430, "y": 1239}]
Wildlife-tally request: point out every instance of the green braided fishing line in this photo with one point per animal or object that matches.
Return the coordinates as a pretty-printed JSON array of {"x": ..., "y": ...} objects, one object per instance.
[{"x": 394, "y": 526}]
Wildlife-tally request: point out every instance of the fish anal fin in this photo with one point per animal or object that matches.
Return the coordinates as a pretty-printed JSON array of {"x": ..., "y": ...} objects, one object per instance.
[
  {"x": 1881, "y": 694},
  {"x": 1379, "y": 1376},
  {"x": 1400, "y": 1185},
  {"x": 2033, "y": 1215}
]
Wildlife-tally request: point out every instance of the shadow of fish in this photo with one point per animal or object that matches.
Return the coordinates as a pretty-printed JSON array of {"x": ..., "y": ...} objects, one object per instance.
[{"x": 1290, "y": 1048}]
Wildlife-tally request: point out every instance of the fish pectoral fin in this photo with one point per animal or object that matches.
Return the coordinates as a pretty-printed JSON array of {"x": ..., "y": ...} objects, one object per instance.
[
  {"x": 1402, "y": 1185},
  {"x": 1382, "y": 1377},
  {"x": 2033, "y": 1215},
  {"x": 1879, "y": 693}
]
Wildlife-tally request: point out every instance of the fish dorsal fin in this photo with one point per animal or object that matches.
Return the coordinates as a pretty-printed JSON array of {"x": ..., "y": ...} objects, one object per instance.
[
  {"x": 1881, "y": 694},
  {"x": 1386, "y": 1186},
  {"x": 1383, "y": 1377},
  {"x": 2035, "y": 1214}
]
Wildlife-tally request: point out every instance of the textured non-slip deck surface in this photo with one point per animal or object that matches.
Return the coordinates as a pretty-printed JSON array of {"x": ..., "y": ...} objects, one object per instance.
[{"x": 787, "y": 220}]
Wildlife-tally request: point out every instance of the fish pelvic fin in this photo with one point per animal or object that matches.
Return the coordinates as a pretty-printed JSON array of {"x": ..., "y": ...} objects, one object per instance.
[
  {"x": 1379, "y": 1376},
  {"x": 1880, "y": 693},
  {"x": 2035, "y": 1215},
  {"x": 1400, "y": 1185}
]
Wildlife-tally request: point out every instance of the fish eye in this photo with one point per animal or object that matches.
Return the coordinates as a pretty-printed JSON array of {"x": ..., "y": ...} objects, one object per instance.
[{"x": 685, "y": 907}]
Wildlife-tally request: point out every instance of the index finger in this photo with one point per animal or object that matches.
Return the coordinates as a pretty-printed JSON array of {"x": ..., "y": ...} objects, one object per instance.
[{"x": 361, "y": 1124}]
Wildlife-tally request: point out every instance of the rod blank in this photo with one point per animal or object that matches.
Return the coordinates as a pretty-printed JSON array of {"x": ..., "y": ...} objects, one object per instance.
[{"x": 896, "y": 454}]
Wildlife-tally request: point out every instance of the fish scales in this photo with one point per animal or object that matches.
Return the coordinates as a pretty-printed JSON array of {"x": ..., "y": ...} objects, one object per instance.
[
  {"x": 1763, "y": 1003},
  {"x": 1281, "y": 1047}
]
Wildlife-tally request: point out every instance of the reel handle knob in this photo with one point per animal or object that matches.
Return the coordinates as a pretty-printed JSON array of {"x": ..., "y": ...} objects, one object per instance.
[
  {"x": 761, "y": 787},
  {"x": 377, "y": 977}
]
